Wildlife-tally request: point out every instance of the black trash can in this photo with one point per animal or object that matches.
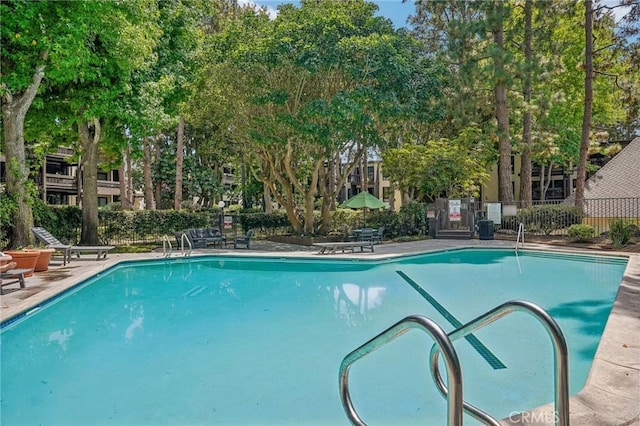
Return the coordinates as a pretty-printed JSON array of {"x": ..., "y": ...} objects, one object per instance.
[{"x": 485, "y": 229}]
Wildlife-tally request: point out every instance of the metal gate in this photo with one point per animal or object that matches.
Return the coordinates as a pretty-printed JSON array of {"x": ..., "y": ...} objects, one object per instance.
[{"x": 455, "y": 217}]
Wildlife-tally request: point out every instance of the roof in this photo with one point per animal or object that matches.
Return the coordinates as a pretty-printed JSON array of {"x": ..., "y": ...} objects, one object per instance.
[{"x": 619, "y": 179}]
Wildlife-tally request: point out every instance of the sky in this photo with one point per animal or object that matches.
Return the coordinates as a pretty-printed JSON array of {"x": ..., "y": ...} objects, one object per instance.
[{"x": 394, "y": 10}]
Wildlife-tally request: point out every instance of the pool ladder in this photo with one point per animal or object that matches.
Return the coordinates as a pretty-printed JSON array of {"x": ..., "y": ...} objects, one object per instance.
[
  {"x": 444, "y": 344},
  {"x": 520, "y": 234},
  {"x": 166, "y": 242}
]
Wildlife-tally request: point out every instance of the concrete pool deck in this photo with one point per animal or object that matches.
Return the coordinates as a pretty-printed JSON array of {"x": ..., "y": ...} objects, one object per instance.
[{"x": 611, "y": 395}]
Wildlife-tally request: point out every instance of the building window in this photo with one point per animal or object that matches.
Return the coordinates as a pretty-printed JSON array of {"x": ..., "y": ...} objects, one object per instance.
[
  {"x": 386, "y": 193},
  {"x": 371, "y": 173},
  {"x": 103, "y": 175},
  {"x": 102, "y": 201}
]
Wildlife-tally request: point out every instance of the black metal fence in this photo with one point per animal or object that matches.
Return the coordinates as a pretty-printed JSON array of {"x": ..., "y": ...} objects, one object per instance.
[
  {"x": 543, "y": 218},
  {"x": 555, "y": 218},
  {"x": 131, "y": 229}
]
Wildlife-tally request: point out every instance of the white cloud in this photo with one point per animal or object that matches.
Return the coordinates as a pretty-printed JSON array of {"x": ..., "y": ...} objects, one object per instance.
[{"x": 270, "y": 10}]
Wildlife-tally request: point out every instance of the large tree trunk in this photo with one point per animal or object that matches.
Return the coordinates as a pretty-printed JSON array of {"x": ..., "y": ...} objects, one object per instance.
[
  {"x": 14, "y": 111},
  {"x": 505, "y": 188},
  {"x": 392, "y": 196},
  {"x": 268, "y": 202},
  {"x": 149, "y": 201},
  {"x": 124, "y": 205},
  {"x": 158, "y": 185},
  {"x": 125, "y": 181},
  {"x": 588, "y": 103},
  {"x": 90, "y": 132},
  {"x": 130, "y": 191},
  {"x": 179, "y": 158},
  {"x": 527, "y": 121}
]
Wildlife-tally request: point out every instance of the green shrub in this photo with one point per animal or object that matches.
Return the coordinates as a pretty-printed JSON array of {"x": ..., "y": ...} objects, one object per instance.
[
  {"x": 620, "y": 232},
  {"x": 64, "y": 222},
  {"x": 8, "y": 209},
  {"x": 545, "y": 218},
  {"x": 269, "y": 222},
  {"x": 581, "y": 233}
]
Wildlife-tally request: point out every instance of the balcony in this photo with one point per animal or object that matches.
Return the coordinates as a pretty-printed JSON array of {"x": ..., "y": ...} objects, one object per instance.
[
  {"x": 356, "y": 180},
  {"x": 62, "y": 182},
  {"x": 69, "y": 184}
]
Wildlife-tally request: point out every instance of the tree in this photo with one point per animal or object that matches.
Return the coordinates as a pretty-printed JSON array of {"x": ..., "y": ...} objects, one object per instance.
[
  {"x": 114, "y": 47},
  {"x": 496, "y": 16},
  {"x": 527, "y": 120},
  {"x": 295, "y": 92},
  {"x": 37, "y": 39},
  {"x": 439, "y": 168},
  {"x": 469, "y": 37},
  {"x": 588, "y": 96}
]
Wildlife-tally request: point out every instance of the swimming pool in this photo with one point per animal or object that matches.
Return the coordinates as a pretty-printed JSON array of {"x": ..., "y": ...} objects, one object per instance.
[{"x": 237, "y": 341}]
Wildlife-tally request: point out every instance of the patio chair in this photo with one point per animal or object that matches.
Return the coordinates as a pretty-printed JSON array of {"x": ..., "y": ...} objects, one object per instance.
[
  {"x": 215, "y": 237},
  {"x": 377, "y": 236},
  {"x": 365, "y": 234},
  {"x": 196, "y": 237},
  {"x": 69, "y": 250},
  {"x": 243, "y": 241}
]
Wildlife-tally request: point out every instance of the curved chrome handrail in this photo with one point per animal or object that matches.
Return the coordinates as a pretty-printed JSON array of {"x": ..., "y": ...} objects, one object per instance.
[
  {"x": 182, "y": 240},
  {"x": 560, "y": 352},
  {"x": 454, "y": 373},
  {"x": 165, "y": 241},
  {"x": 520, "y": 232}
]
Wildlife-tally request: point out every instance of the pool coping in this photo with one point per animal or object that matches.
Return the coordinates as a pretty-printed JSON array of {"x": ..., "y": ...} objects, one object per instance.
[{"x": 611, "y": 395}]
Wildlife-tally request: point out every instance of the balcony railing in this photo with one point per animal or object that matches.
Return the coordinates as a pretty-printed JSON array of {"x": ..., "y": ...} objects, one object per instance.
[
  {"x": 55, "y": 181},
  {"x": 357, "y": 180},
  {"x": 61, "y": 182}
]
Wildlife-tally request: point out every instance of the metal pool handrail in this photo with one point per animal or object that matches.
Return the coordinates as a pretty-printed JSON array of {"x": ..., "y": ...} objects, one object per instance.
[
  {"x": 165, "y": 242},
  {"x": 520, "y": 232},
  {"x": 560, "y": 352},
  {"x": 454, "y": 373},
  {"x": 184, "y": 238}
]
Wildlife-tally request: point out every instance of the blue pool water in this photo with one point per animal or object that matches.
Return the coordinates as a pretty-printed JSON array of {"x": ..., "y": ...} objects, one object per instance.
[{"x": 245, "y": 342}]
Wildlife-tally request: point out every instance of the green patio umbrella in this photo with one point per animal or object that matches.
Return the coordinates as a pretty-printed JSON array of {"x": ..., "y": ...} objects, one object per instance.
[{"x": 364, "y": 201}]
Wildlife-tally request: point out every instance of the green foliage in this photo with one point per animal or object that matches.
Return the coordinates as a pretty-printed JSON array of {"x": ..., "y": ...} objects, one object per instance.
[
  {"x": 544, "y": 218},
  {"x": 581, "y": 233},
  {"x": 270, "y": 223},
  {"x": 62, "y": 221},
  {"x": 137, "y": 225},
  {"x": 320, "y": 79},
  {"x": 442, "y": 167},
  {"x": 7, "y": 211},
  {"x": 620, "y": 232}
]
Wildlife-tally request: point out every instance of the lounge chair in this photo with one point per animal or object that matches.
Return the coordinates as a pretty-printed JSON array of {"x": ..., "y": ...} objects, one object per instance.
[
  {"x": 69, "y": 250},
  {"x": 7, "y": 272},
  {"x": 243, "y": 241}
]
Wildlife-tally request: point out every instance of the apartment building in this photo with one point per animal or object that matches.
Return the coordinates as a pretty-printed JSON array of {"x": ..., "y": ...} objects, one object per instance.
[
  {"x": 557, "y": 182},
  {"x": 377, "y": 184},
  {"x": 59, "y": 180}
]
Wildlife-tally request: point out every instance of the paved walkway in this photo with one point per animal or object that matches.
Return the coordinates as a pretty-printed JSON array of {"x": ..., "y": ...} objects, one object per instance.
[{"x": 611, "y": 395}]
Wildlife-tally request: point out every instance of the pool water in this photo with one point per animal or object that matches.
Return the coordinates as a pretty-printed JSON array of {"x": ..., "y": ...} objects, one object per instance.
[{"x": 246, "y": 342}]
